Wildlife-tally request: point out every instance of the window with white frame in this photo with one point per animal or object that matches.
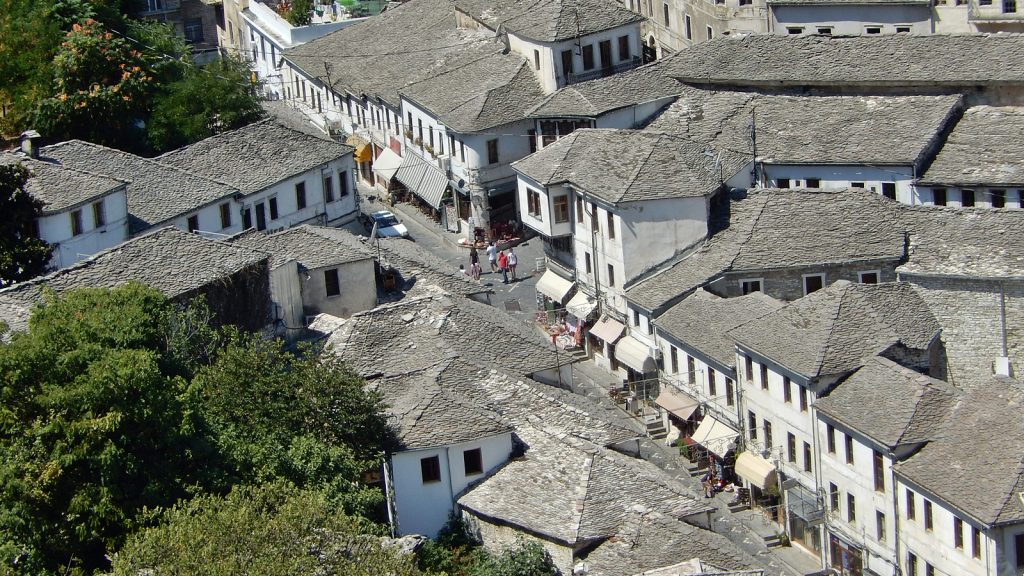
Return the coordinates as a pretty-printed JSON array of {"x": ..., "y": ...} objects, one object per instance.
[
  {"x": 749, "y": 285},
  {"x": 813, "y": 283},
  {"x": 869, "y": 276}
]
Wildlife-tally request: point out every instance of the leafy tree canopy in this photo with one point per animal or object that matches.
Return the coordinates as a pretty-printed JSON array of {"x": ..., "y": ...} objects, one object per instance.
[{"x": 22, "y": 254}]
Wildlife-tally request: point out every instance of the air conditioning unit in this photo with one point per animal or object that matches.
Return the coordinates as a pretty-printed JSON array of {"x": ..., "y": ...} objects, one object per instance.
[
  {"x": 334, "y": 127},
  {"x": 444, "y": 163}
]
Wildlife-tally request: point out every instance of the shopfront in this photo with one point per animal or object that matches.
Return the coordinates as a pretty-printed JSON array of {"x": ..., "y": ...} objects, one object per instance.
[
  {"x": 846, "y": 559},
  {"x": 806, "y": 517},
  {"x": 761, "y": 479}
]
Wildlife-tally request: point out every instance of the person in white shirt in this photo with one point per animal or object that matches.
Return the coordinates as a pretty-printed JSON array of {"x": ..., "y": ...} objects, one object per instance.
[
  {"x": 512, "y": 261},
  {"x": 492, "y": 256}
]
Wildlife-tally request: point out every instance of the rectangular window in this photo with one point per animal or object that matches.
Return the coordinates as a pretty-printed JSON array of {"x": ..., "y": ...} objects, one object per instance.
[
  {"x": 533, "y": 203},
  {"x": 764, "y": 376},
  {"x": 665, "y": 15},
  {"x": 849, "y": 449},
  {"x": 194, "y": 31},
  {"x": 748, "y": 364},
  {"x": 531, "y": 136},
  {"x": 813, "y": 283},
  {"x": 586, "y": 258},
  {"x": 911, "y": 564},
  {"x": 748, "y": 286},
  {"x": 300, "y": 195},
  {"x": 328, "y": 188},
  {"x": 343, "y": 184},
  {"x": 636, "y": 318},
  {"x": 76, "y": 223},
  {"x": 624, "y": 48},
  {"x": 791, "y": 447},
  {"x": 782, "y": 182},
  {"x": 958, "y": 533},
  {"x": 824, "y": 30},
  {"x": 939, "y": 196},
  {"x": 814, "y": 183},
  {"x": 711, "y": 32},
  {"x": 976, "y": 542},
  {"x": 803, "y": 399},
  {"x": 588, "y": 57},
  {"x": 856, "y": 185},
  {"x": 767, "y": 434},
  {"x": 833, "y": 497},
  {"x": 332, "y": 284},
  {"x": 536, "y": 59},
  {"x": 889, "y": 190},
  {"x": 419, "y": 130},
  {"x": 688, "y": 27},
  {"x": 997, "y": 198},
  {"x": 929, "y": 570},
  {"x": 611, "y": 275},
  {"x": 492, "y": 151},
  {"x": 729, "y": 392},
  {"x": 673, "y": 353},
  {"x": 462, "y": 151},
  {"x": 967, "y": 198},
  {"x": 793, "y": 31},
  {"x": 752, "y": 424},
  {"x": 929, "y": 521},
  {"x": 561, "y": 209},
  {"x": 611, "y": 225},
  {"x": 830, "y": 435},
  {"x": 878, "y": 465},
  {"x": 872, "y": 29},
  {"x": 691, "y": 369},
  {"x": 473, "y": 462},
  {"x": 868, "y": 277},
  {"x": 273, "y": 208},
  {"x": 787, "y": 390},
  {"x": 1009, "y": 7},
  {"x": 430, "y": 469},
  {"x": 225, "y": 215},
  {"x": 808, "y": 462},
  {"x": 911, "y": 509},
  {"x": 879, "y": 526},
  {"x": 99, "y": 215},
  {"x": 193, "y": 223},
  {"x": 712, "y": 389},
  {"x": 579, "y": 209},
  {"x": 567, "y": 64},
  {"x": 851, "y": 508},
  {"x": 903, "y": 29}
]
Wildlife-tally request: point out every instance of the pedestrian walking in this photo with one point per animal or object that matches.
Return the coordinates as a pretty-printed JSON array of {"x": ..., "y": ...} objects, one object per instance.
[
  {"x": 492, "y": 256},
  {"x": 474, "y": 257},
  {"x": 512, "y": 261},
  {"x": 503, "y": 266},
  {"x": 475, "y": 271}
]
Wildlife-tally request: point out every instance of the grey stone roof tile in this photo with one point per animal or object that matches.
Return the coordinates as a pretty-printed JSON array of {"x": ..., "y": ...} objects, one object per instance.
[
  {"x": 836, "y": 329},
  {"x": 965, "y": 60},
  {"x": 625, "y": 165},
  {"x": 984, "y": 149},
  {"x": 549, "y": 20},
  {"x": 574, "y": 491},
  {"x": 982, "y": 442},
  {"x": 256, "y": 156},
  {"x": 905, "y": 407},
  {"x": 306, "y": 245},
  {"x": 703, "y": 319},
  {"x": 60, "y": 187},
  {"x": 596, "y": 97},
  {"x": 967, "y": 242},
  {"x": 156, "y": 192},
  {"x": 170, "y": 260},
  {"x": 806, "y": 129}
]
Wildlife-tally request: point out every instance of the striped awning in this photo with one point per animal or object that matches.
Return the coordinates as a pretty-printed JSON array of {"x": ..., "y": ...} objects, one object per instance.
[
  {"x": 387, "y": 164},
  {"x": 422, "y": 179}
]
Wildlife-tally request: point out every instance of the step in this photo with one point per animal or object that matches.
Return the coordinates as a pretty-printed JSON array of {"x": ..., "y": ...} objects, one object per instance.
[
  {"x": 735, "y": 506},
  {"x": 773, "y": 541}
]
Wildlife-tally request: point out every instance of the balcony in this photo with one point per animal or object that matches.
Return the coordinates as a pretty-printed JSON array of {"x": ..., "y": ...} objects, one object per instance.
[{"x": 602, "y": 72}]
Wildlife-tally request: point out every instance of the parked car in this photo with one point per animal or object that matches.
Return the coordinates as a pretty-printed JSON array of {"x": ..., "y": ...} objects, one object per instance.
[{"x": 388, "y": 225}]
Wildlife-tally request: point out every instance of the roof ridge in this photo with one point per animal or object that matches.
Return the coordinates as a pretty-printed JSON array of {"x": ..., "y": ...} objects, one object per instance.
[
  {"x": 582, "y": 506},
  {"x": 636, "y": 172},
  {"x": 820, "y": 362}
]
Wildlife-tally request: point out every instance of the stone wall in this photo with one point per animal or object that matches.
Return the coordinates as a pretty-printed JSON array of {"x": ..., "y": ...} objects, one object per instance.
[
  {"x": 496, "y": 537},
  {"x": 787, "y": 284}
]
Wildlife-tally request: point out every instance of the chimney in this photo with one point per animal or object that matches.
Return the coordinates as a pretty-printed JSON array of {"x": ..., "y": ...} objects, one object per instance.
[
  {"x": 1003, "y": 366},
  {"x": 30, "y": 143}
]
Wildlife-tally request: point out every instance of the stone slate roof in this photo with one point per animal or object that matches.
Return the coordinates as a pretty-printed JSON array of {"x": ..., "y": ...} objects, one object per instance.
[
  {"x": 412, "y": 42},
  {"x": 62, "y": 188},
  {"x": 306, "y": 245},
  {"x": 811, "y": 129},
  {"x": 651, "y": 540},
  {"x": 984, "y": 149},
  {"x": 549, "y": 20},
  {"x": 849, "y": 3},
  {"x": 285, "y": 113},
  {"x": 625, "y": 165},
  {"x": 834, "y": 330},
  {"x": 982, "y": 442},
  {"x": 703, "y": 319},
  {"x": 170, "y": 260},
  {"x": 906, "y": 407},
  {"x": 416, "y": 332},
  {"x": 777, "y": 229},
  {"x": 523, "y": 403},
  {"x": 256, "y": 156},
  {"x": 426, "y": 415},
  {"x": 966, "y": 60},
  {"x": 967, "y": 242},
  {"x": 489, "y": 91},
  {"x": 157, "y": 192},
  {"x": 596, "y": 97},
  {"x": 575, "y": 492}
]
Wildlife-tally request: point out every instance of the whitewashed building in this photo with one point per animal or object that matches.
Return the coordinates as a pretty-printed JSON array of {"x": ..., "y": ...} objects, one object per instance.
[{"x": 849, "y": 18}]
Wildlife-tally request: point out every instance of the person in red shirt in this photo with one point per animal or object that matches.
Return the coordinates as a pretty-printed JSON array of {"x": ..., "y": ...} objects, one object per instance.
[{"x": 503, "y": 266}]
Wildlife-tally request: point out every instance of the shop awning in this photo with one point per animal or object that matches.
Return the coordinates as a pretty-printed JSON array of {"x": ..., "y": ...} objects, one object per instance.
[
  {"x": 756, "y": 470},
  {"x": 677, "y": 403},
  {"x": 635, "y": 354},
  {"x": 387, "y": 164},
  {"x": 364, "y": 152},
  {"x": 715, "y": 436},
  {"x": 554, "y": 286},
  {"x": 608, "y": 330},
  {"x": 581, "y": 305},
  {"x": 422, "y": 179},
  {"x": 803, "y": 503}
]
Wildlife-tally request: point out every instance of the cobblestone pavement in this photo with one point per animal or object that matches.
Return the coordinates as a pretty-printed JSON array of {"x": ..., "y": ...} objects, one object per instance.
[{"x": 519, "y": 299}]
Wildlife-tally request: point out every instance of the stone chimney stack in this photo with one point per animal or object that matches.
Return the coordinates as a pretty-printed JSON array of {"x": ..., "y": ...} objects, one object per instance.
[{"x": 30, "y": 143}]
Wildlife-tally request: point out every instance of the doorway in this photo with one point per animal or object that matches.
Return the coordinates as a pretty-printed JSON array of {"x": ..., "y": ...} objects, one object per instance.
[{"x": 261, "y": 217}]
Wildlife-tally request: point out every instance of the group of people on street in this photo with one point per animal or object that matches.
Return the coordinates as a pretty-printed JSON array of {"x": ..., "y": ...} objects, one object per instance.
[{"x": 504, "y": 261}]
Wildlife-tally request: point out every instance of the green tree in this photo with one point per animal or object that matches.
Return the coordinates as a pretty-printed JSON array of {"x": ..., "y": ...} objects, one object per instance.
[
  {"x": 22, "y": 254},
  {"x": 456, "y": 552},
  {"x": 205, "y": 101},
  {"x": 299, "y": 13},
  {"x": 271, "y": 530}
]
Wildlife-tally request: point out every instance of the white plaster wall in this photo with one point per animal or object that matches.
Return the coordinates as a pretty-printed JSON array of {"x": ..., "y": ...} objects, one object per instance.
[
  {"x": 851, "y": 19},
  {"x": 936, "y": 546},
  {"x": 341, "y": 210},
  {"x": 424, "y": 508},
  {"x": 982, "y": 197},
  {"x": 513, "y": 144},
  {"x": 358, "y": 290},
  {"x": 698, "y": 386},
  {"x": 286, "y": 294},
  {"x": 632, "y": 116},
  {"x": 833, "y": 177},
  {"x": 952, "y": 19},
  {"x": 545, "y": 223},
  {"x": 430, "y": 125},
  {"x": 68, "y": 249},
  {"x": 551, "y": 76},
  {"x": 209, "y": 218}
]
